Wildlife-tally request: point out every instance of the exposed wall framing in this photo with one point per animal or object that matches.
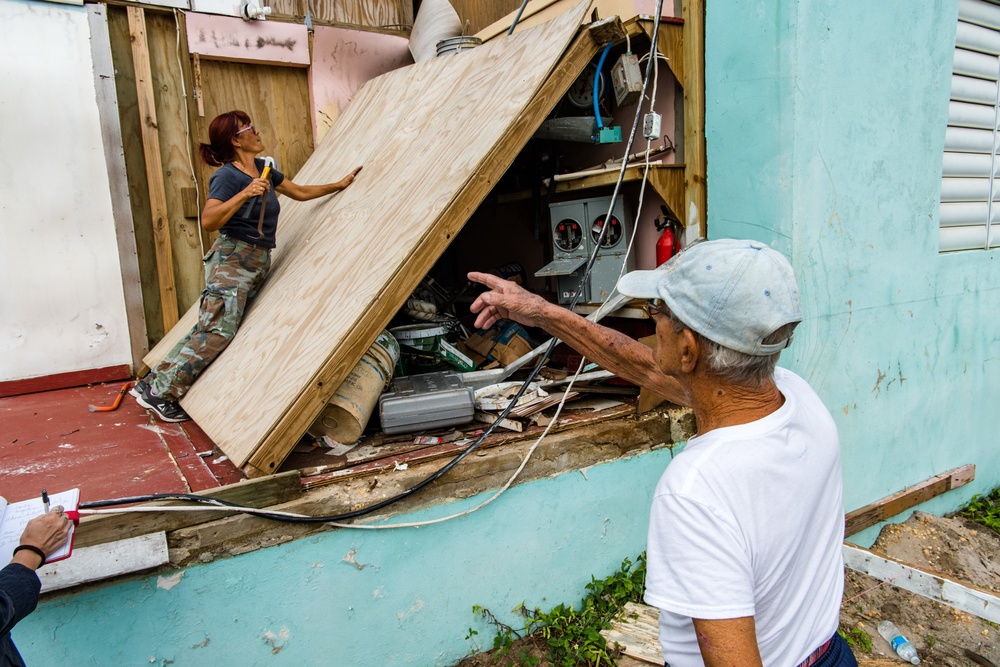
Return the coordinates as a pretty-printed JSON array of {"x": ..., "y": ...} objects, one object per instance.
[{"x": 478, "y": 14}]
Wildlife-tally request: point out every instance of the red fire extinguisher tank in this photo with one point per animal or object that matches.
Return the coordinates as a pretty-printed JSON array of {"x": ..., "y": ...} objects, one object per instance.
[{"x": 669, "y": 242}]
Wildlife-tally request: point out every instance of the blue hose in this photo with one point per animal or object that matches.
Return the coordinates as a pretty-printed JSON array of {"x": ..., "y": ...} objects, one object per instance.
[{"x": 597, "y": 79}]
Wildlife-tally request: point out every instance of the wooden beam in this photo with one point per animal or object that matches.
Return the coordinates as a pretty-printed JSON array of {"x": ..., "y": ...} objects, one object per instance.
[
  {"x": 963, "y": 597},
  {"x": 135, "y": 554},
  {"x": 501, "y": 26},
  {"x": 695, "y": 173},
  {"x": 154, "y": 174},
  {"x": 890, "y": 506},
  {"x": 669, "y": 42},
  {"x": 273, "y": 490},
  {"x": 297, "y": 417},
  {"x": 114, "y": 155}
]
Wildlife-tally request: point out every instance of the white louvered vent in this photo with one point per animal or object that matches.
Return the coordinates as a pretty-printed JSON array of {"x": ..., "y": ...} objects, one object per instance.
[{"x": 970, "y": 187}]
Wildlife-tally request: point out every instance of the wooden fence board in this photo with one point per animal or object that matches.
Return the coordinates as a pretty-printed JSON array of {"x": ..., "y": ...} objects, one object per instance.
[
  {"x": 154, "y": 178},
  {"x": 377, "y": 14},
  {"x": 433, "y": 139},
  {"x": 890, "y": 506}
]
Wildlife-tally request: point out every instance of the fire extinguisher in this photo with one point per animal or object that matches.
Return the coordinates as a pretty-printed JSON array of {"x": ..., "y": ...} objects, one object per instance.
[{"x": 669, "y": 242}]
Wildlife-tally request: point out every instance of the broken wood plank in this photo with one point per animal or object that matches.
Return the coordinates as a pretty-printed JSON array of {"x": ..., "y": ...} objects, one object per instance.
[
  {"x": 135, "y": 554},
  {"x": 963, "y": 597},
  {"x": 489, "y": 418},
  {"x": 669, "y": 42},
  {"x": 890, "y": 506},
  {"x": 540, "y": 404},
  {"x": 103, "y": 528},
  {"x": 637, "y": 632},
  {"x": 693, "y": 81},
  {"x": 154, "y": 176},
  {"x": 453, "y": 449}
]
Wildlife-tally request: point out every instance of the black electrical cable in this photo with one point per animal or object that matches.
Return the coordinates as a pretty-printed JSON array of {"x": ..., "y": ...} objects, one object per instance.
[
  {"x": 517, "y": 17},
  {"x": 489, "y": 430}
]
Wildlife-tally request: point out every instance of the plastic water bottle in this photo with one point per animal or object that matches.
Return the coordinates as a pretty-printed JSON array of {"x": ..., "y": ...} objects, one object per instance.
[{"x": 900, "y": 644}]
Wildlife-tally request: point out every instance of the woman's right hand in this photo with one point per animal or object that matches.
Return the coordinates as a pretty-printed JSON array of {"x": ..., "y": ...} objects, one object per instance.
[{"x": 257, "y": 187}]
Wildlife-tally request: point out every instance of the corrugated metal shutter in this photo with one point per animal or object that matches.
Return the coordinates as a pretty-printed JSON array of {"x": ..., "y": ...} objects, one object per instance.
[{"x": 970, "y": 216}]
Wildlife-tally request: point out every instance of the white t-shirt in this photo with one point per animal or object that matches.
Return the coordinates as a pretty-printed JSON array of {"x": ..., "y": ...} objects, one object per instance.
[{"x": 749, "y": 521}]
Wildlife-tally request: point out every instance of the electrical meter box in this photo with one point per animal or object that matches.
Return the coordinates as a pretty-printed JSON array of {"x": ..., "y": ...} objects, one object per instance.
[
  {"x": 626, "y": 78},
  {"x": 576, "y": 226}
]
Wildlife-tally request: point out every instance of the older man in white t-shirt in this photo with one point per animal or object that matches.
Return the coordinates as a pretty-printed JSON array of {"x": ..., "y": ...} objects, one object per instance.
[{"x": 744, "y": 554}]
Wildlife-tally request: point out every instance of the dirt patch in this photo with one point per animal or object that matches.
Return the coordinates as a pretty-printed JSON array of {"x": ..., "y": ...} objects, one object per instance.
[{"x": 960, "y": 550}]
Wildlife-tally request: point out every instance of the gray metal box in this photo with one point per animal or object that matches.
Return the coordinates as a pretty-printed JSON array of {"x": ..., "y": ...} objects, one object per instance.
[
  {"x": 424, "y": 402},
  {"x": 575, "y": 227}
]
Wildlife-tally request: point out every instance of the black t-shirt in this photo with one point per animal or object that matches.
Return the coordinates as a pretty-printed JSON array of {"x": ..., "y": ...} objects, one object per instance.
[{"x": 229, "y": 181}]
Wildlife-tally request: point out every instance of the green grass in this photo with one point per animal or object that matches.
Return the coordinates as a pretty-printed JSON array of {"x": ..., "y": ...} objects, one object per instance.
[
  {"x": 984, "y": 509},
  {"x": 573, "y": 634},
  {"x": 859, "y": 638}
]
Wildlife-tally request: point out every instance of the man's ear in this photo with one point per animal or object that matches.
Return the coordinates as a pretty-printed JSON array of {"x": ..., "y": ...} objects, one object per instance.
[{"x": 688, "y": 351}]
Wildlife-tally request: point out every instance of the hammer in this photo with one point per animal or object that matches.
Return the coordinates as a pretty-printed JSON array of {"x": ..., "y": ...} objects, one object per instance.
[{"x": 268, "y": 164}]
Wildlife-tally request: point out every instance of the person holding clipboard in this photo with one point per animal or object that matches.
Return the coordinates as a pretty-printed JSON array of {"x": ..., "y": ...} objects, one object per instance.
[{"x": 19, "y": 585}]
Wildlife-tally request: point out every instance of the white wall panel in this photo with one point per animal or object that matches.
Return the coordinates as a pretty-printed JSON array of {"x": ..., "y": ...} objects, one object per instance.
[
  {"x": 982, "y": 13},
  {"x": 958, "y": 214},
  {"x": 974, "y": 165},
  {"x": 965, "y": 189},
  {"x": 977, "y": 38},
  {"x": 963, "y": 238},
  {"x": 965, "y": 140},
  {"x": 971, "y": 63},
  {"x": 970, "y": 89},
  {"x": 61, "y": 296},
  {"x": 964, "y": 114}
]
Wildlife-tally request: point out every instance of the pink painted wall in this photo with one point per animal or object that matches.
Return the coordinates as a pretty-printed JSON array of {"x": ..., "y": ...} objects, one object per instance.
[
  {"x": 229, "y": 38},
  {"x": 343, "y": 60}
]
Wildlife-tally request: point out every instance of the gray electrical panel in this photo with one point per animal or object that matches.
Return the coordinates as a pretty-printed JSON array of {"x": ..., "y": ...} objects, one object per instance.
[{"x": 576, "y": 226}]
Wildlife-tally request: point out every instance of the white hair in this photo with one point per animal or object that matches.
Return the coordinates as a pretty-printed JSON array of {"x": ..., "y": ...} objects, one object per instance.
[{"x": 731, "y": 365}]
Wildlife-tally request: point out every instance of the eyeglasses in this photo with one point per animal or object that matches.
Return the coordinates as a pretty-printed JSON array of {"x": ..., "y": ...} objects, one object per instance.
[
  {"x": 248, "y": 128},
  {"x": 655, "y": 307}
]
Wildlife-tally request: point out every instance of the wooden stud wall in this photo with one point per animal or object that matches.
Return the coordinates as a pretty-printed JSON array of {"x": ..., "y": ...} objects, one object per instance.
[
  {"x": 177, "y": 158},
  {"x": 478, "y": 14},
  {"x": 149, "y": 133},
  {"x": 277, "y": 99},
  {"x": 346, "y": 263},
  {"x": 388, "y": 15},
  {"x": 695, "y": 165},
  {"x": 174, "y": 163}
]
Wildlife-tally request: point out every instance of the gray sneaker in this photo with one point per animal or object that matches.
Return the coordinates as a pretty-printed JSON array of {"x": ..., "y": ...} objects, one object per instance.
[{"x": 168, "y": 411}]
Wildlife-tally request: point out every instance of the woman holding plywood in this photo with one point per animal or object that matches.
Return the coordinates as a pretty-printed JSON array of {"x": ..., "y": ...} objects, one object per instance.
[{"x": 243, "y": 207}]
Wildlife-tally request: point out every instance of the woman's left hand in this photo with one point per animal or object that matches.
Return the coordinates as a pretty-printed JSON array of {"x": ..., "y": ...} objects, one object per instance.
[{"x": 347, "y": 180}]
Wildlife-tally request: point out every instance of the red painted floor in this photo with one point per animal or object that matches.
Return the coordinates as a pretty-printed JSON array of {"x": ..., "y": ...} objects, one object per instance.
[{"x": 50, "y": 440}]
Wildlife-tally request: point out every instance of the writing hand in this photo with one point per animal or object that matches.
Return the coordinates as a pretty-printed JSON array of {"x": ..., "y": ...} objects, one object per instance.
[{"x": 47, "y": 532}]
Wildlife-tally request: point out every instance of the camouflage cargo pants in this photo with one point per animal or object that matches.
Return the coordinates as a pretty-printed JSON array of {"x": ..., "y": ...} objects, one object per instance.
[{"x": 234, "y": 273}]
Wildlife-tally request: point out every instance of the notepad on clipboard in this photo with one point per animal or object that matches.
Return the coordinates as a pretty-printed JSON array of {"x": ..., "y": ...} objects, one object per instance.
[{"x": 15, "y": 516}]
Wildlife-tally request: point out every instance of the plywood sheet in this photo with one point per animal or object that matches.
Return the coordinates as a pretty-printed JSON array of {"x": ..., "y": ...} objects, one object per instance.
[{"x": 433, "y": 139}]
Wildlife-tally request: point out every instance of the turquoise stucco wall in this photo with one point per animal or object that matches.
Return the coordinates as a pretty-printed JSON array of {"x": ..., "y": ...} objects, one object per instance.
[
  {"x": 408, "y": 601},
  {"x": 825, "y": 128}
]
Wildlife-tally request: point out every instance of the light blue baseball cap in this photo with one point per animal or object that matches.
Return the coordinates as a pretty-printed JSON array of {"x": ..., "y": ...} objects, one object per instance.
[{"x": 734, "y": 292}]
